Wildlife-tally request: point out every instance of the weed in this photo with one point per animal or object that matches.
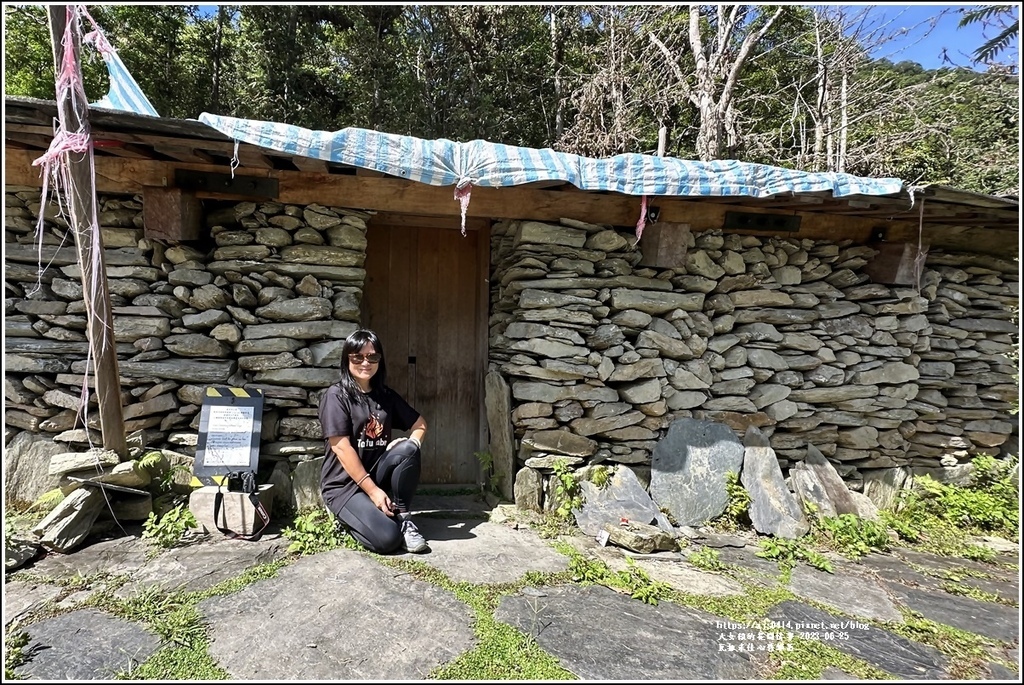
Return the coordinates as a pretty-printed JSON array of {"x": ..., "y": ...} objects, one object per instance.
[
  {"x": 639, "y": 584},
  {"x": 15, "y": 641},
  {"x": 568, "y": 489},
  {"x": 167, "y": 530},
  {"x": 316, "y": 530},
  {"x": 706, "y": 558},
  {"x": 491, "y": 480},
  {"x": 955, "y": 588},
  {"x": 968, "y": 652},
  {"x": 601, "y": 476},
  {"x": 47, "y": 501},
  {"x": 736, "y": 508},
  {"x": 632, "y": 579},
  {"x": 787, "y": 552},
  {"x": 939, "y": 517},
  {"x": 853, "y": 536}
]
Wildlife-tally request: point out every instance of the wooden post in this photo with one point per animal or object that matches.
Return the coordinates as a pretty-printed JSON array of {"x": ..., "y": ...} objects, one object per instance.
[{"x": 81, "y": 200}]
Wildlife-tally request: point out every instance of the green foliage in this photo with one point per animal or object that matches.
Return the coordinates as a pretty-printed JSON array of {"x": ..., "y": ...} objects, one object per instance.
[
  {"x": 739, "y": 499},
  {"x": 853, "y": 536},
  {"x": 584, "y": 79},
  {"x": 600, "y": 476},
  {"x": 939, "y": 517},
  {"x": 788, "y": 552},
  {"x": 1004, "y": 17},
  {"x": 492, "y": 480},
  {"x": 568, "y": 489},
  {"x": 15, "y": 641},
  {"x": 737, "y": 506},
  {"x": 989, "y": 504},
  {"x": 638, "y": 583},
  {"x": 47, "y": 501},
  {"x": 632, "y": 579},
  {"x": 316, "y": 530},
  {"x": 706, "y": 558},
  {"x": 587, "y": 571},
  {"x": 167, "y": 530},
  {"x": 151, "y": 459}
]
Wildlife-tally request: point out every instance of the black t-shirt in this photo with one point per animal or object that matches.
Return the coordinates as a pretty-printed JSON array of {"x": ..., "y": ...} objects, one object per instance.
[{"x": 367, "y": 423}]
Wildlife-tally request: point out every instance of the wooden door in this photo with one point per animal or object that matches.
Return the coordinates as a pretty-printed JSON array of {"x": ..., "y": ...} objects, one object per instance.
[{"x": 425, "y": 297}]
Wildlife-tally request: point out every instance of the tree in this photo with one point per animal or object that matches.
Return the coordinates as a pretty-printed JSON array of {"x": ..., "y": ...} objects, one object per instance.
[{"x": 1000, "y": 17}]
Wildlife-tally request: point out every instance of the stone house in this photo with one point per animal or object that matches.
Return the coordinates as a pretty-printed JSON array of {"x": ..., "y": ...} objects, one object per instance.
[{"x": 876, "y": 328}]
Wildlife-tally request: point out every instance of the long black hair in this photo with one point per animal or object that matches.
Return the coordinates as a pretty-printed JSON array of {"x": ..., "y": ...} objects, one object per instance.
[{"x": 353, "y": 344}]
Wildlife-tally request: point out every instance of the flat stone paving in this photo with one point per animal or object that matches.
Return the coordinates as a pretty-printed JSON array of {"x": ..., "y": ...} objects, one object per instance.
[
  {"x": 600, "y": 634},
  {"x": 339, "y": 615},
  {"x": 893, "y": 654},
  {"x": 344, "y": 615},
  {"x": 86, "y": 645},
  {"x": 482, "y": 552}
]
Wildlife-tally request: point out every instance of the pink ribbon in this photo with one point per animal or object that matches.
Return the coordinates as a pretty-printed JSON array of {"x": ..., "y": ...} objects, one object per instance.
[
  {"x": 643, "y": 218},
  {"x": 462, "y": 192}
]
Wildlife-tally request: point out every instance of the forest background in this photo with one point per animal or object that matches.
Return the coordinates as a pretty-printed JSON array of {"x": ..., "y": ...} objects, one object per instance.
[{"x": 793, "y": 86}]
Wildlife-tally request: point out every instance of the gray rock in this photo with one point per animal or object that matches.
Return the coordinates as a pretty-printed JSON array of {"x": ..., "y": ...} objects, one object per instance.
[
  {"x": 497, "y": 399},
  {"x": 86, "y": 645},
  {"x": 893, "y": 654},
  {"x": 597, "y": 633},
  {"x": 329, "y": 594},
  {"x": 851, "y": 595},
  {"x": 26, "y": 467},
  {"x": 529, "y": 489},
  {"x": 773, "y": 509},
  {"x": 688, "y": 468},
  {"x": 622, "y": 497},
  {"x": 996, "y": 621},
  {"x": 835, "y": 489}
]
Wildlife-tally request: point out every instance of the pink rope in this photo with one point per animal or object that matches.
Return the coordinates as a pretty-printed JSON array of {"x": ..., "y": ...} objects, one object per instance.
[
  {"x": 643, "y": 218},
  {"x": 55, "y": 165},
  {"x": 96, "y": 37},
  {"x": 462, "y": 192}
]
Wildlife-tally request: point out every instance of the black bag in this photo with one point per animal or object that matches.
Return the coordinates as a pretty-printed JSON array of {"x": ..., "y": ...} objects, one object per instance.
[{"x": 241, "y": 481}]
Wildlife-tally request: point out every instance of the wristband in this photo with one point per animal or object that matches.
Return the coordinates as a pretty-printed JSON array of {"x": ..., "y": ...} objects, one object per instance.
[
  {"x": 360, "y": 481},
  {"x": 418, "y": 443}
]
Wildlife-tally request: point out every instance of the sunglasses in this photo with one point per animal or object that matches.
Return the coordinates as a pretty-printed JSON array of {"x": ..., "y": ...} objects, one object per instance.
[{"x": 360, "y": 358}]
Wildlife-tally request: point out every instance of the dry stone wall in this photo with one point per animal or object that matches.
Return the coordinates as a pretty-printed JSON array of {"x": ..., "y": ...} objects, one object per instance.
[
  {"x": 266, "y": 305},
  {"x": 601, "y": 353}
]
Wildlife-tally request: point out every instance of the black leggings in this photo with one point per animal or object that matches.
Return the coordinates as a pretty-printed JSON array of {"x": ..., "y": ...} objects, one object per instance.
[{"x": 397, "y": 473}]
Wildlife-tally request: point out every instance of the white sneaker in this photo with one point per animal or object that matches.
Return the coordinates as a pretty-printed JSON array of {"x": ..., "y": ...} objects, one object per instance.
[{"x": 413, "y": 541}]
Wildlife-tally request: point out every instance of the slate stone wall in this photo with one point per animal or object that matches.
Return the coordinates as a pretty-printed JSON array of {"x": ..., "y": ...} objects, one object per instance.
[
  {"x": 601, "y": 354},
  {"x": 266, "y": 303}
]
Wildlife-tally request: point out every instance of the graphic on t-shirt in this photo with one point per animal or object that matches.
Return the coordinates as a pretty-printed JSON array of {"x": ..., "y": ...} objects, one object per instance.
[{"x": 374, "y": 428}]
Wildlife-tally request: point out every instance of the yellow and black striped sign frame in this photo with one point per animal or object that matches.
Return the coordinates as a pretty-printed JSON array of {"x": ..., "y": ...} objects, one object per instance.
[{"x": 223, "y": 396}]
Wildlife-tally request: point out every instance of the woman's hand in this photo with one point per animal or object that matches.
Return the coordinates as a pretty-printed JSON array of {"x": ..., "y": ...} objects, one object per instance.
[{"x": 381, "y": 500}]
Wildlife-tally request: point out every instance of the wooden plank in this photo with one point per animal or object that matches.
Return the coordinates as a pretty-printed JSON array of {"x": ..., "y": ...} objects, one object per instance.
[
  {"x": 309, "y": 164},
  {"x": 398, "y": 195},
  {"x": 401, "y": 249},
  {"x": 469, "y": 395},
  {"x": 453, "y": 223},
  {"x": 184, "y": 154},
  {"x": 74, "y": 116},
  {"x": 425, "y": 312},
  {"x": 447, "y": 361},
  {"x": 252, "y": 156}
]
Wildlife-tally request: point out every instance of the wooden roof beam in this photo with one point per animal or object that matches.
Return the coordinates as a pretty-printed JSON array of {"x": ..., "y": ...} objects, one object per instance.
[{"x": 409, "y": 197}]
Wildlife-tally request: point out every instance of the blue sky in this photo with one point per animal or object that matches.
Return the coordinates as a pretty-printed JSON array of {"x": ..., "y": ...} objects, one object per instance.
[{"x": 925, "y": 45}]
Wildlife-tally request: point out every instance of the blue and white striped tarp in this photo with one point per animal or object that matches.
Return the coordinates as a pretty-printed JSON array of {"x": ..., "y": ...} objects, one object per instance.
[
  {"x": 444, "y": 162},
  {"x": 124, "y": 93},
  {"x": 480, "y": 163}
]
